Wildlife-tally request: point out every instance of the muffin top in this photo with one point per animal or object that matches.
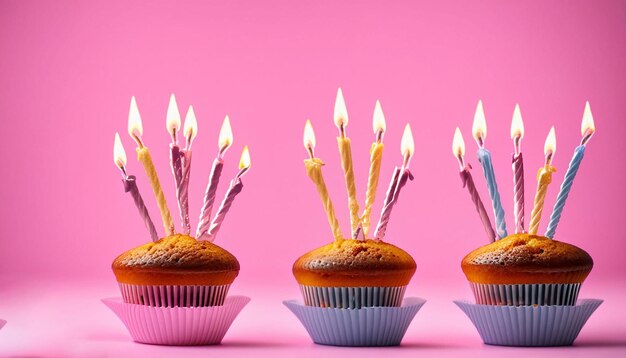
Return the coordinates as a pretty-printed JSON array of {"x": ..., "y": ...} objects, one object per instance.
[
  {"x": 355, "y": 263},
  {"x": 525, "y": 258},
  {"x": 176, "y": 259}
]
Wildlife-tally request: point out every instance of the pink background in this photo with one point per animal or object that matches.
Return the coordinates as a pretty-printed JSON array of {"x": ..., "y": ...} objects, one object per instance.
[{"x": 68, "y": 70}]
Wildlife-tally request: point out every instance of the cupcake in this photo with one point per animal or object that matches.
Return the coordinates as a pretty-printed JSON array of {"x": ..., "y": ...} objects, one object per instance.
[
  {"x": 527, "y": 270},
  {"x": 176, "y": 271},
  {"x": 354, "y": 274}
]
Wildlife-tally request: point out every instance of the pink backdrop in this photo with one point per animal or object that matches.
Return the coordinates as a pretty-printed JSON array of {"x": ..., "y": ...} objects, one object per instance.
[{"x": 68, "y": 70}]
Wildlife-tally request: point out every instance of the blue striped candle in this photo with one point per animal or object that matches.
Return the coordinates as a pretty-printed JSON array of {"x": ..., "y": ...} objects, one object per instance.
[
  {"x": 587, "y": 129},
  {"x": 484, "y": 157}
]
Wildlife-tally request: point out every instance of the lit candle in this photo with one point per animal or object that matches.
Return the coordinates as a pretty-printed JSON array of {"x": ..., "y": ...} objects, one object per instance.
[
  {"x": 544, "y": 178},
  {"x": 135, "y": 129},
  {"x": 313, "y": 167},
  {"x": 376, "y": 157},
  {"x": 345, "y": 151},
  {"x": 517, "y": 133},
  {"x": 399, "y": 179},
  {"x": 176, "y": 157},
  {"x": 458, "y": 149},
  {"x": 479, "y": 130},
  {"x": 130, "y": 186},
  {"x": 236, "y": 185},
  {"x": 190, "y": 130},
  {"x": 588, "y": 128},
  {"x": 224, "y": 142}
]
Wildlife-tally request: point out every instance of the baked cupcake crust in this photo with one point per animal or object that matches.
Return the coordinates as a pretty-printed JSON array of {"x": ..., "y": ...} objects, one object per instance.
[
  {"x": 355, "y": 263},
  {"x": 527, "y": 259},
  {"x": 176, "y": 260}
]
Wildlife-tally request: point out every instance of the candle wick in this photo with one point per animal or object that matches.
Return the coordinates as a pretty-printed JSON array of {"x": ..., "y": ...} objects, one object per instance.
[
  {"x": 309, "y": 149},
  {"x": 342, "y": 131},
  {"x": 241, "y": 172},
  {"x": 461, "y": 161},
  {"x": 188, "y": 143},
  {"x": 480, "y": 141},
  {"x": 220, "y": 153},
  {"x": 586, "y": 137},
  {"x": 549, "y": 158},
  {"x": 173, "y": 134},
  {"x": 123, "y": 170},
  {"x": 517, "y": 145},
  {"x": 407, "y": 159},
  {"x": 379, "y": 136},
  {"x": 137, "y": 139}
]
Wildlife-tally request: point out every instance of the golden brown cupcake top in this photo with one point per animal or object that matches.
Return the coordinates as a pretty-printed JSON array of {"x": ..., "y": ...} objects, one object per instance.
[
  {"x": 176, "y": 260},
  {"x": 525, "y": 258},
  {"x": 355, "y": 263}
]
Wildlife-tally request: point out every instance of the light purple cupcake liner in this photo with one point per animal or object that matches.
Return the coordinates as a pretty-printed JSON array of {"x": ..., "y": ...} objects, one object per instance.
[
  {"x": 526, "y": 294},
  {"x": 174, "y": 296},
  {"x": 529, "y": 325},
  {"x": 177, "y": 325},
  {"x": 368, "y": 326},
  {"x": 352, "y": 297}
]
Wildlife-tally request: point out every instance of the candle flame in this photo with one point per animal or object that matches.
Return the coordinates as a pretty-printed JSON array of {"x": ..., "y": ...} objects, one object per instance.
[
  {"x": 341, "y": 112},
  {"x": 550, "y": 146},
  {"x": 458, "y": 144},
  {"x": 407, "y": 146},
  {"x": 226, "y": 135},
  {"x": 479, "y": 127},
  {"x": 191, "y": 125},
  {"x": 309, "y": 136},
  {"x": 173, "y": 116},
  {"x": 135, "y": 129},
  {"x": 119, "y": 155},
  {"x": 379, "y": 119},
  {"x": 244, "y": 162},
  {"x": 587, "y": 126},
  {"x": 517, "y": 125}
]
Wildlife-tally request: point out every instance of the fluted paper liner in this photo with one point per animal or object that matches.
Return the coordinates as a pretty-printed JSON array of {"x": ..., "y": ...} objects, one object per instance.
[
  {"x": 177, "y": 325},
  {"x": 368, "y": 326},
  {"x": 352, "y": 297},
  {"x": 174, "y": 296},
  {"x": 528, "y": 326},
  {"x": 563, "y": 294}
]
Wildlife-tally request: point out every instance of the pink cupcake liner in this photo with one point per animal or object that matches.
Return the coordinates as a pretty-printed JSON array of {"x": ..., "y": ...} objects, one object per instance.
[
  {"x": 177, "y": 325},
  {"x": 352, "y": 297},
  {"x": 174, "y": 296},
  {"x": 368, "y": 326},
  {"x": 528, "y": 326},
  {"x": 526, "y": 294}
]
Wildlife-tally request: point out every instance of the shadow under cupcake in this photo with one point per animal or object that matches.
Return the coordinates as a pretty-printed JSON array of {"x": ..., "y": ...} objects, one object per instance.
[
  {"x": 353, "y": 293},
  {"x": 526, "y": 291}
]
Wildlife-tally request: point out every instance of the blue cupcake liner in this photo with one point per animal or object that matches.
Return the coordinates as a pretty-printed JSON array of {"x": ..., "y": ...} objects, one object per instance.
[
  {"x": 368, "y": 326},
  {"x": 529, "y": 326}
]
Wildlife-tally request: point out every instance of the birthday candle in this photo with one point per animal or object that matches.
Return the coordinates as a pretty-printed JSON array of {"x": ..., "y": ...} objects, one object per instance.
[
  {"x": 544, "y": 178},
  {"x": 376, "y": 157},
  {"x": 130, "y": 186},
  {"x": 135, "y": 130},
  {"x": 479, "y": 130},
  {"x": 588, "y": 128},
  {"x": 400, "y": 177},
  {"x": 458, "y": 149},
  {"x": 176, "y": 157},
  {"x": 236, "y": 185},
  {"x": 190, "y": 130},
  {"x": 345, "y": 151},
  {"x": 225, "y": 140},
  {"x": 313, "y": 167},
  {"x": 517, "y": 163}
]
